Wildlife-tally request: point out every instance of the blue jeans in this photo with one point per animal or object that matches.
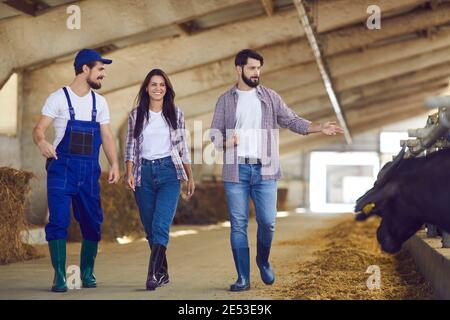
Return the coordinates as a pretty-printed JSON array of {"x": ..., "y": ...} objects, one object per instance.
[
  {"x": 264, "y": 196},
  {"x": 157, "y": 198}
]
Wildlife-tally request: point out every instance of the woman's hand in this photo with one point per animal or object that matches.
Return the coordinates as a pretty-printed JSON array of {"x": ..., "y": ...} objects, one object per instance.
[
  {"x": 130, "y": 181},
  {"x": 190, "y": 188}
]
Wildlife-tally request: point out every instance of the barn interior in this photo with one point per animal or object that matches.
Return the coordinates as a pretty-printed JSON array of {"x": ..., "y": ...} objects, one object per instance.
[{"x": 368, "y": 65}]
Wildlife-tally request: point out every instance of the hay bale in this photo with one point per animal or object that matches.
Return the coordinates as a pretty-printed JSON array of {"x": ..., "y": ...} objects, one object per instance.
[
  {"x": 120, "y": 213},
  {"x": 282, "y": 199},
  {"x": 207, "y": 205},
  {"x": 14, "y": 188}
]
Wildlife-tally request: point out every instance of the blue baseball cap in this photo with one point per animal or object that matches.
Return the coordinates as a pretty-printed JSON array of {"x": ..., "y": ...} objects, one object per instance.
[{"x": 88, "y": 55}]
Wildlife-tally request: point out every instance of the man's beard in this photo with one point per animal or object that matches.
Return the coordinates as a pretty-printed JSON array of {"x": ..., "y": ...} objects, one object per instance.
[
  {"x": 248, "y": 81},
  {"x": 94, "y": 85}
]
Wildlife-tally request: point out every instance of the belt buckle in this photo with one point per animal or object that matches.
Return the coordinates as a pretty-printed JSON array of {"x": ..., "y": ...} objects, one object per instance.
[
  {"x": 243, "y": 160},
  {"x": 249, "y": 160}
]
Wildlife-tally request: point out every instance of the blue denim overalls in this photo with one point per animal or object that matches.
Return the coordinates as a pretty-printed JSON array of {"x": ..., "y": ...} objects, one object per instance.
[{"x": 74, "y": 176}]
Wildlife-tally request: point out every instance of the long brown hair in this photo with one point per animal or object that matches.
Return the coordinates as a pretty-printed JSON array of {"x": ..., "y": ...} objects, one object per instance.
[{"x": 143, "y": 100}]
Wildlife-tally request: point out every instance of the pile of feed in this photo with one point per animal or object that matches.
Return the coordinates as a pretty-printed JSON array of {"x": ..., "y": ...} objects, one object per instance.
[
  {"x": 339, "y": 272},
  {"x": 14, "y": 188}
]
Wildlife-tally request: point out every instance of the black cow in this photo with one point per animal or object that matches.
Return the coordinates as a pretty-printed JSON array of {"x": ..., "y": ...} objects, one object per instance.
[{"x": 408, "y": 193}]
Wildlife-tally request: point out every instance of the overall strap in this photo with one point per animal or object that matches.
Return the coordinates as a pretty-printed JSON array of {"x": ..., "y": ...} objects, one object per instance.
[
  {"x": 94, "y": 107},
  {"x": 71, "y": 111}
]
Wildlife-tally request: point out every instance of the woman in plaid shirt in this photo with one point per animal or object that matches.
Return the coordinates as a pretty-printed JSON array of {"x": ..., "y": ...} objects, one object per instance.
[{"x": 157, "y": 160}]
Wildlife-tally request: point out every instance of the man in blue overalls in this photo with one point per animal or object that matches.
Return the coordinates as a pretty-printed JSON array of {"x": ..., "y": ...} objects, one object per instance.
[{"x": 81, "y": 121}]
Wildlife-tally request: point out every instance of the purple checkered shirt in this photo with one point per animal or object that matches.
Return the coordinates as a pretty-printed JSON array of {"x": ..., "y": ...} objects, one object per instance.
[
  {"x": 179, "y": 152},
  {"x": 275, "y": 113}
]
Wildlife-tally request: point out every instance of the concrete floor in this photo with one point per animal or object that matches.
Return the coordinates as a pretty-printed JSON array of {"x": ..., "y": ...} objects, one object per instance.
[{"x": 200, "y": 265}]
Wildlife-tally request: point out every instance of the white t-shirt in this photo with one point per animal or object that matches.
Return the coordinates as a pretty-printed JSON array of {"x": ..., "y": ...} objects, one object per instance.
[
  {"x": 56, "y": 107},
  {"x": 248, "y": 124},
  {"x": 156, "y": 134}
]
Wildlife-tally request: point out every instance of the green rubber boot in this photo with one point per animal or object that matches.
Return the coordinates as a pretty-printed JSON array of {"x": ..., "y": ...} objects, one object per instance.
[
  {"x": 87, "y": 259},
  {"x": 57, "y": 250}
]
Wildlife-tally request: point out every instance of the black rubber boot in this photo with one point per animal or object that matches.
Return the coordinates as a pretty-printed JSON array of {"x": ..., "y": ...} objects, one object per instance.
[
  {"x": 262, "y": 260},
  {"x": 154, "y": 266},
  {"x": 242, "y": 261},
  {"x": 163, "y": 273}
]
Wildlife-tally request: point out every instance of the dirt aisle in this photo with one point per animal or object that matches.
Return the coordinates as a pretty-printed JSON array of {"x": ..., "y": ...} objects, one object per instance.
[{"x": 200, "y": 265}]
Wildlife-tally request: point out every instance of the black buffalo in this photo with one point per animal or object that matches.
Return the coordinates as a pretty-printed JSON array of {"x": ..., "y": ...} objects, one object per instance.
[{"x": 407, "y": 194}]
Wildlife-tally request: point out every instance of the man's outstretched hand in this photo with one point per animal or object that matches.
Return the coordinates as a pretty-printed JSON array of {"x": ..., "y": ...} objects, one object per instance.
[{"x": 331, "y": 129}]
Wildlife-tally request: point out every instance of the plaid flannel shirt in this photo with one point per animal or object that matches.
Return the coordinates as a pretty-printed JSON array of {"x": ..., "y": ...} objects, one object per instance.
[{"x": 275, "y": 113}]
